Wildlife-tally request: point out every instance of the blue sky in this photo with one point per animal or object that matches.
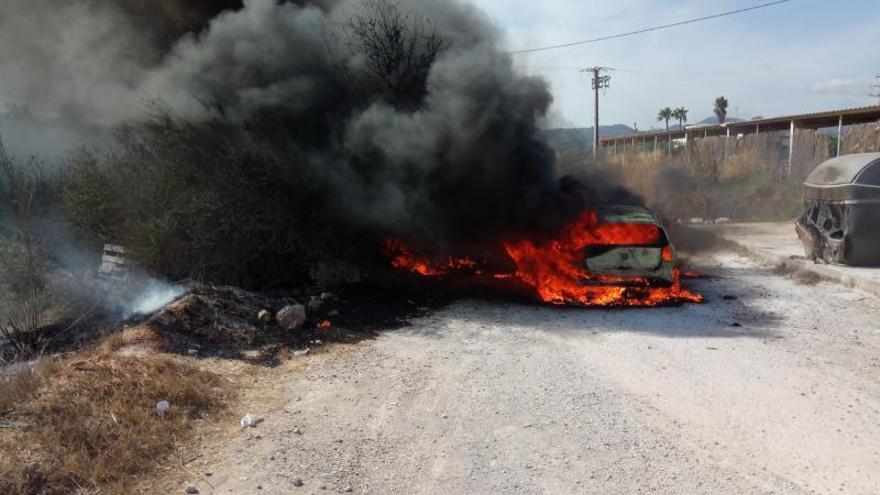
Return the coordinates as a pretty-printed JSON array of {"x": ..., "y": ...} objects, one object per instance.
[{"x": 801, "y": 56}]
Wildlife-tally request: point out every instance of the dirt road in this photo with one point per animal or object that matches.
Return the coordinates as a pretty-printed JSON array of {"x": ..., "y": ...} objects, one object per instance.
[{"x": 776, "y": 391}]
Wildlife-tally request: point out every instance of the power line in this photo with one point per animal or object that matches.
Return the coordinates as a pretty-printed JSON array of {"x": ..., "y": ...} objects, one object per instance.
[
  {"x": 655, "y": 28},
  {"x": 675, "y": 72},
  {"x": 725, "y": 78}
]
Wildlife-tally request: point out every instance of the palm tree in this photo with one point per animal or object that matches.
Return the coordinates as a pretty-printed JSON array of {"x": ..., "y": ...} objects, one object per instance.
[
  {"x": 721, "y": 109},
  {"x": 664, "y": 115},
  {"x": 681, "y": 114}
]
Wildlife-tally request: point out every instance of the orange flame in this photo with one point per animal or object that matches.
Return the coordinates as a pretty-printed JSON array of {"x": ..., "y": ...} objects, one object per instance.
[
  {"x": 557, "y": 272},
  {"x": 325, "y": 325},
  {"x": 404, "y": 259},
  {"x": 556, "y": 269}
]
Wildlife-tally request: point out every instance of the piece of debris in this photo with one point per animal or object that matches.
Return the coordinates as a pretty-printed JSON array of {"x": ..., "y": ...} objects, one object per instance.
[
  {"x": 729, "y": 297},
  {"x": 292, "y": 317},
  {"x": 297, "y": 481},
  {"x": 327, "y": 296},
  {"x": 348, "y": 489},
  {"x": 249, "y": 421},
  {"x": 722, "y": 220},
  {"x": 335, "y": 312},
  {"x": 190, "y": 488},
  {"x": 162, "y": 407},
  {"x": 735, "y": 324},
  {"x": 301, "y": 352},
  {"x": 114, "y": 268},
  {"x": 264, "y": 316}
]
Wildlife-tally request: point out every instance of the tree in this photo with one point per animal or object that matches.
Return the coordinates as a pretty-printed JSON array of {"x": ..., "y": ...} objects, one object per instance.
[
  {"x": 399, "y": 49},
  {"x": 681, "y": 114},
  {"x": 664, "y": 115},
  {"x": 721, "y": 109}
]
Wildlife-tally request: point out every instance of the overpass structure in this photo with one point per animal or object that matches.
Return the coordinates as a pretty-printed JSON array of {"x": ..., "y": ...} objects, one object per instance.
[{"x": 819, "y": 120}]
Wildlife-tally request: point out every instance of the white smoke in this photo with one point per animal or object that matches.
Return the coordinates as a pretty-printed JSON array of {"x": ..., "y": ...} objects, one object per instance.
[{"x": 152, "y": 297}]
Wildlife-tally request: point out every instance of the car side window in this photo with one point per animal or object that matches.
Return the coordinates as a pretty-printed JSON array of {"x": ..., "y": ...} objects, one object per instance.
[{"x": 870, "y": 176}]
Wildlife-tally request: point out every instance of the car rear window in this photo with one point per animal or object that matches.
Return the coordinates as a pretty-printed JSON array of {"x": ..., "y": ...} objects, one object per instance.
[{"x": 870, "y": 176}]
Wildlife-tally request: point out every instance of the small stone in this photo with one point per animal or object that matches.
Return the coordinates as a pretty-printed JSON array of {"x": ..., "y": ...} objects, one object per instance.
[
  {"x": 327, "y": 296},
  {"x": 297, "y": 481},
  {"x": 192, "y": 489},
  {"x": 729, "y": 297},
  {"x": 264, "y": 315},
  {"x": 209, "y": 473},
  {"x": 735, "y": 324},
  {"x": 249, "y": 421},
  {"x": 348, "y": 489},
  {"x": 292, "y": 317}
]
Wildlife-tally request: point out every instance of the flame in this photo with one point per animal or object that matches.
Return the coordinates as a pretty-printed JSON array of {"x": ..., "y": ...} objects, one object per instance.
[
  {"x": 404, "y": 259},
  {"x": 557, "y": 272},
  {"x": 556, "y": 268},
  {"x": 325, "y": 325}
]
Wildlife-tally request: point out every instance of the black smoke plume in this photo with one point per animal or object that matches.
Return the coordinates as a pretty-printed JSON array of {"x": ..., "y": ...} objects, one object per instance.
[{"x": 373, "y": 118}]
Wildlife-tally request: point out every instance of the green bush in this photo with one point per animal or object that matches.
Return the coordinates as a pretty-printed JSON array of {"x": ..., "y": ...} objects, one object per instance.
[{"x": 209, "y": 201}]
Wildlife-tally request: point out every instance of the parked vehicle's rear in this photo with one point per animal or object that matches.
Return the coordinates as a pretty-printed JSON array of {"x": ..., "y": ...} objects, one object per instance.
[{"x": 644, "y": 257}]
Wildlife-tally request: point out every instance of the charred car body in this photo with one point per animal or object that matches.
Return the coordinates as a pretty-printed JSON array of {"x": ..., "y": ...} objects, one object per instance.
[
  {"x": 636, "y": 259},
  {"x": 840, "y": 222}
]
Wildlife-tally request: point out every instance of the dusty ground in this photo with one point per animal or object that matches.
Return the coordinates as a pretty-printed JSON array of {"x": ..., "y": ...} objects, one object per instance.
[
  {"x": 489, "y": 397},
  {"x": 778, "y": 243}
]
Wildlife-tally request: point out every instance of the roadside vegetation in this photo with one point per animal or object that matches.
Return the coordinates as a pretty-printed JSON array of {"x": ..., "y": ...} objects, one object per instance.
[{"x": 745, "y": 178}]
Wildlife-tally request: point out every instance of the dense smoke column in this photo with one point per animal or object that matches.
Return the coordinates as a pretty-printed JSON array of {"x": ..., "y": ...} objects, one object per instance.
[
  {"x": 267, "y": 136},
  {"x": 421, "y": 129}
]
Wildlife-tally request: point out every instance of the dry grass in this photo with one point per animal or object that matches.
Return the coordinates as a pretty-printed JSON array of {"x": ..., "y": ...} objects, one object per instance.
[
  {"x": 745, "y": 178},
  {"x": 91, "y": 422},
  {"x": 861, "y": 138}
]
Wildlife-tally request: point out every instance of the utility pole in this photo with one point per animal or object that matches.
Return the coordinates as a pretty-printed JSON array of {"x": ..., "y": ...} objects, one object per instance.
[
  {"x": 599, "y": 82},
  {"x": 876, "y": 89}
]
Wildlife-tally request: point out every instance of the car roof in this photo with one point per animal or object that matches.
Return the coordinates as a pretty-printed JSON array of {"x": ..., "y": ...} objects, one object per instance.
[
  {"x": 626, "y": 214},
  {"x": 841, "y": 170}
]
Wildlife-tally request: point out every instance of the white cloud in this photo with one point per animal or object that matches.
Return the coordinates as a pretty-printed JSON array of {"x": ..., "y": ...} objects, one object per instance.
[{"x": 841, "y": 86}]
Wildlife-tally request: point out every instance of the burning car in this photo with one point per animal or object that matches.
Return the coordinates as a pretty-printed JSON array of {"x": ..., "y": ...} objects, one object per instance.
[
  {"x": 611, "y": 256},
  {"x": 608, "y": 256},
  {"x": 650, "y": 258},
  {"x": 841, "y": 212}
]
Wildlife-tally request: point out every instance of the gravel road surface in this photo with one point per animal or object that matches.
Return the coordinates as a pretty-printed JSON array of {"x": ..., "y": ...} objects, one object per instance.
[{"x": 773, "y": 390}]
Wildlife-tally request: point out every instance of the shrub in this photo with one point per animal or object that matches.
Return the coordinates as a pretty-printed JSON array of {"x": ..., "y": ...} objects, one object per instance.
[
  {"x": 209, "y": 201},
  {"x": 24, "y": 283}
]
